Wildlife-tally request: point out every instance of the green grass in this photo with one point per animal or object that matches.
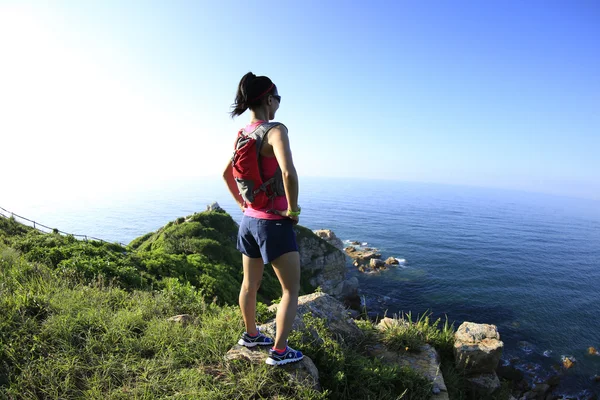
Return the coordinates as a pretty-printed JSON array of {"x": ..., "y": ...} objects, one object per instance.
[
  {"x": 89, "y": 320},
  {"x": 61, "y": 337}
]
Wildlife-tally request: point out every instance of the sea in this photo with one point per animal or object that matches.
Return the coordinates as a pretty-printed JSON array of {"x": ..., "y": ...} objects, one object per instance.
[{"x": 528, "y": 263}]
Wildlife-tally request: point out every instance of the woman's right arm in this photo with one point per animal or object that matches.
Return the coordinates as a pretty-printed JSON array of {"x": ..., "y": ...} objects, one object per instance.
[
  {"x": 278, "y": 138},
  {"x": 232, "y": 185}
]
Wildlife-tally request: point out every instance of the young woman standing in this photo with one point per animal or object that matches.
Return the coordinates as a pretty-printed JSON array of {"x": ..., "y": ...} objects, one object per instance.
[{"x": 266, "y": 235}]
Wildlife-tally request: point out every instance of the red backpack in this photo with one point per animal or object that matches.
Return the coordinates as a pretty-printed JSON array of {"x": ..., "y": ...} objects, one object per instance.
[{"x": 246, "y": 169}]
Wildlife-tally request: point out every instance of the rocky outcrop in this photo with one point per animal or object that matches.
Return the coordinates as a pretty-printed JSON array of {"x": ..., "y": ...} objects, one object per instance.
[
  {"x": 328, "y": 236},
  {"x": 477, "y": 351},
  {"x": 320, "y": 305},
  {"x": 426, "y": 361},
  {"x": 392, "y": 261},
  {"x": 326, "y": 266},
  {"x": 303, "y": 372},
  {"x": 361, "y": 256}
]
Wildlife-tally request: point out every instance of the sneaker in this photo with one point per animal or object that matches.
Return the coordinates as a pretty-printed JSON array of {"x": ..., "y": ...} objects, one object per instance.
[
  {"x": 258, "y": 340},
  {"x": 288, "y": 356}
]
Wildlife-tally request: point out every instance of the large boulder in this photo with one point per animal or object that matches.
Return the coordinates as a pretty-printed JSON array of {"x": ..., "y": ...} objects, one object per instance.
[
  {"x": 325, "y": 265},
  {"x": 328, "y": 236},
  {"x": 483, "y": 385},
  {"x": 303, "y": 372},
  {"x": 320, "y": 305},
  {"x": 477, "y": 348}
]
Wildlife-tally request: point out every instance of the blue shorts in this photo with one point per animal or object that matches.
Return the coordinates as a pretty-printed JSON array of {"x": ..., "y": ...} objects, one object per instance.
[{"x": 266, "y": 238}]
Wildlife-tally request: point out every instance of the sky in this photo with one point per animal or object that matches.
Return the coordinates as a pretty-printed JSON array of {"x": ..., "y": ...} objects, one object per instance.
[{"x": 502, "y": 94}]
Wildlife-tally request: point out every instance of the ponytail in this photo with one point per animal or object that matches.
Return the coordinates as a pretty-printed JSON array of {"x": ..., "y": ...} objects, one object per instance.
[{"x": 251, "y": 91}]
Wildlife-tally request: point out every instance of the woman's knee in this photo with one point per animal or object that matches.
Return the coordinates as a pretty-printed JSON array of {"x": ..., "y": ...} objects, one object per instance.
[{"x": 250, "y": 287}]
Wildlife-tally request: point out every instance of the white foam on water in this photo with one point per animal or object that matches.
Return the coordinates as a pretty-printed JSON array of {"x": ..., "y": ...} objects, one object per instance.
[{"x": 547, "y": 353}]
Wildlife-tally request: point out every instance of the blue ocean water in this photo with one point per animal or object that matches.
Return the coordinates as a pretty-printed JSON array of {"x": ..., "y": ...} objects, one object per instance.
[{"x": 528, "y": 263}]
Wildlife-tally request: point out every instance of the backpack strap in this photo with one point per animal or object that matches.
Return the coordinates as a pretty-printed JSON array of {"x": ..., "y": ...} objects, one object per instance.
[{"x": 260, "y": 132}]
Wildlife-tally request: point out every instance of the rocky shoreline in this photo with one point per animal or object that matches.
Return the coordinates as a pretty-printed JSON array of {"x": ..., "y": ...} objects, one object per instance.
[{"x": 479, "y": 343}]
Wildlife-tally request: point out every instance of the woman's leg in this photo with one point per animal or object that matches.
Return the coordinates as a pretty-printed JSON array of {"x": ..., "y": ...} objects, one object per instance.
[
  {"x": 287, "y": 269},
  {"x": 253, "y": 272}
]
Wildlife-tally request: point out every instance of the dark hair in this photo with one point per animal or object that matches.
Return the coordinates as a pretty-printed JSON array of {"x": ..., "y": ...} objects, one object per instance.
[{"x": 251, "y": 91}]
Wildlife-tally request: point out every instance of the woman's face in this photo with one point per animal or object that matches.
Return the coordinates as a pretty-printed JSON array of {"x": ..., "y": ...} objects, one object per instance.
[{"x": 274, "y": 100}]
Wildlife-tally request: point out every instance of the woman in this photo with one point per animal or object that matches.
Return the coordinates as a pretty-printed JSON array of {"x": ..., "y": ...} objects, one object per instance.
[{"x": 266, "y": 235}]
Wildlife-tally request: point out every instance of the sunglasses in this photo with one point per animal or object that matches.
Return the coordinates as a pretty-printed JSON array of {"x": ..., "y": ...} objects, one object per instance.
[{"x": 277, "y": 97}]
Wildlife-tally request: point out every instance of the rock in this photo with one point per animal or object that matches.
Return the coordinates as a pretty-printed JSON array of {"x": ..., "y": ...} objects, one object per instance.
[
  {"x": 329, "y": 237},
  {"x": 510, "y": 373},
  {"x": 348, "y": 292},
  {"x": 183, "y": 319},
  {"x": 541, "y": 389},
  {"x": 482, "y": 386},
  {"x": 376, "y": 263},
  {"x": 477, "y": 348},
  {"x": 554, "y": 380},
  {"x": 355, "y": 243},
  {"x": 592, "y": 351},
  {"x": 361, "y": 256},
  {"x": 568, "y": 361},
  {"x": 392, "y": 261},
  {"x": 214, "y": 207},
  {"x": 323, "y": 263},
  {"x": 596, "y": 378},
  {"x": 321, "y": 305},
  {"x": 303, "y": 372},
  {"x": 387, "y": 323},
  {"x": 426, "y": 361}
]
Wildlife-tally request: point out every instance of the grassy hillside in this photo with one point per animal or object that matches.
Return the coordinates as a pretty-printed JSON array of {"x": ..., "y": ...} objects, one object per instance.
[{"x": 90, "y": 320}]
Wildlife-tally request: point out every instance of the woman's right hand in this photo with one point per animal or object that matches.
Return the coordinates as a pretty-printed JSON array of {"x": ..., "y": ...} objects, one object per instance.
[{"x": 285, "y": 213}]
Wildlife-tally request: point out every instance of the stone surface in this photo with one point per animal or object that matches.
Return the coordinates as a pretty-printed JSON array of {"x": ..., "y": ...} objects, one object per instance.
[
  {"x": 477, "y": 348},
  {"x": 568, "y": 361},
  {"x": 509, "y": 373},
  {"x": 303, "y": 372},
  {"x": 388, "y": 322},
  {"x": 360, "y": 255},
  {"x": 183, "y": 319},
  {"x": 325, "y": 265},
  {"x": 391, "y": 261},
  {"x": 484, "y": 385},
  {"x": 320, "y": 305},
  {"x": 426, "y": 362},
  {"x": 376, "y": 263},
  {"x": 592, "y": 351},
  {"x": 330, "y": 237},
  {"x": 214, "y": 207}
]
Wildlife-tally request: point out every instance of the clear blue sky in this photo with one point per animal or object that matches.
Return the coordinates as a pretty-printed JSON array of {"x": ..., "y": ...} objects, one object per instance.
[{"x": 485, "y": 93}]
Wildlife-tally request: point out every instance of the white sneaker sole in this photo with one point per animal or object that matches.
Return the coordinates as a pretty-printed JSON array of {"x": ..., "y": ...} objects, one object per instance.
[
  {"x": 241, "y": 342},
  {"x": 270, "y": 361}
]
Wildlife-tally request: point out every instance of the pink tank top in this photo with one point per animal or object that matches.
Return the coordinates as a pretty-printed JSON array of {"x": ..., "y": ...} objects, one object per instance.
[{"x": 267, "y": 168}]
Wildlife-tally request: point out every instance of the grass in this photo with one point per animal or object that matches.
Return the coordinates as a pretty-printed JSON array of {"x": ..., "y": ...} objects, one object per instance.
[
  {"x": 62, "y": 337},
  {"x": 90, "y": 320}
]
